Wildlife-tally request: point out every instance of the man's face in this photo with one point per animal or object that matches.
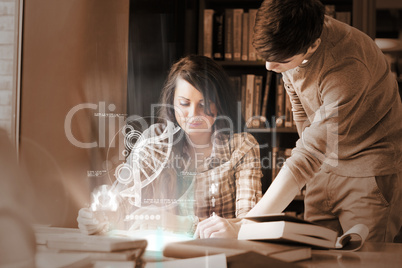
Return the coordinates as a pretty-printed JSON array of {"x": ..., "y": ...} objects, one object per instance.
[
  {"x": 293, "y": 62},
  {"x": 288, "y": 64}
]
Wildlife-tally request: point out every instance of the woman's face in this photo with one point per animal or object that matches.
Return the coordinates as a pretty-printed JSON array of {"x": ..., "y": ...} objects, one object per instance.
[{"x": 189, "y": 110}]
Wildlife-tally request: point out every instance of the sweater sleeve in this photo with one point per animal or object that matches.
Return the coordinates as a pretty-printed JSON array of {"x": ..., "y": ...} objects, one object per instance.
[{"x": 342, "y": 91}]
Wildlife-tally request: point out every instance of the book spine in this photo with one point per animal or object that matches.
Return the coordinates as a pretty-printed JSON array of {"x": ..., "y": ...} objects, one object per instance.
[
  {"x": 288, "y": 111},
  {"x": 208, "y": 22},
  {"x": 228, "y": 34},
  {"x": 244, "y": 39},
  {"x": 237, "y": 35},
  {"x": 249, "y": 98},
  {"x": 274, "y": 162},
  {"x": 330, "y": 10},
  {"x": 257, "y": 101},
  {"x": 243, "y": 94},
  {"x": 236, "y": 83},
  {"x": 343, "y": 16},
  {"x": 280, "y": 101},
  {"x": 257, "y": 95},
  {"x": 266, "y": 94},
  {"x": 252, "y": 55},
  {"x": 218, "y": 35}
]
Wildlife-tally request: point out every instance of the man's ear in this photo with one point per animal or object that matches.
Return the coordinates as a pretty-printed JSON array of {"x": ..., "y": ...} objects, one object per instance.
[{"x": 314, "y": 46}]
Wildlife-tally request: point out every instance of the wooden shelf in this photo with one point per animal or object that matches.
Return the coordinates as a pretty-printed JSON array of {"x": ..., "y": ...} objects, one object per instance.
[
  {"x": 241, "y": 63},
  {"x": 389, "y": 46},
  {"x": 272, "y": 130}
]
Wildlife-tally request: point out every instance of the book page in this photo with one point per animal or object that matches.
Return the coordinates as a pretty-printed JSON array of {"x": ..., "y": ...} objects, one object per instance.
[{"x": 353, "y": 239}]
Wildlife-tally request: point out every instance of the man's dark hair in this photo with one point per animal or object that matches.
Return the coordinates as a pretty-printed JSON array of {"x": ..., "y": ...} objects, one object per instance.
[{"x": 285, "y": 28}]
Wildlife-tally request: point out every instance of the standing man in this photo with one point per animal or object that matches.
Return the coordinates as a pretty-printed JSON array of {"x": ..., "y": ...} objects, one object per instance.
[{"x": 348, "y": 113}]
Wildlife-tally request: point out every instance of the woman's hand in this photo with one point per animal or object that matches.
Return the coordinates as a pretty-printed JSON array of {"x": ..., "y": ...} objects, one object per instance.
[
  {"x": 218, "y": 227},
  {"x": 91, "y": 222}
]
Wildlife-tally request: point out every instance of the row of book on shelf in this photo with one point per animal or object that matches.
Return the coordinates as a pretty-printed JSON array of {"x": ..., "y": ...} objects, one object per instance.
[
  {"x": 265, "y": 104},
  {"x": 228, "y": 33},
  {"x": 344, "y": 16}
]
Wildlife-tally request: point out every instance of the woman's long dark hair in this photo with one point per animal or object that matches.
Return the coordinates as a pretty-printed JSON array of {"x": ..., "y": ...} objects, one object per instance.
[{"x": 211, "y": 80}]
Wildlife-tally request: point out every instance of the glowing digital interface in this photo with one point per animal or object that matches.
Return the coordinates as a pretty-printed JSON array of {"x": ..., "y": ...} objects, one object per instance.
[{"x": 147, "y": 155}]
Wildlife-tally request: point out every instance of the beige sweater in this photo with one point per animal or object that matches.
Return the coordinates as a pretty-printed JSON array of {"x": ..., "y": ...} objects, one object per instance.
[{"x": 349, "y": 95}]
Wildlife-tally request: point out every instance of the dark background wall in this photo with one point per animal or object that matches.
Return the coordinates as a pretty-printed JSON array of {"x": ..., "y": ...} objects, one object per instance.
[{"x": 160, "y": 33}]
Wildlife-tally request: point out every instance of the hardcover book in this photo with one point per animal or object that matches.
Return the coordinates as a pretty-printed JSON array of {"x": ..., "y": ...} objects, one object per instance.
[
  {"x": 280, "y": 101},
  {"x": 266, "y": 94},
  {"x": 244, "y": 37},
  {"x": 233, "y": 247},
  {"x": 94, "y": 243},
  {"x": 218, "y": 35},
  {"x": 228, "y": 34},
  {"x": 72, "y": 239},
  {"x": 237, "y": 33},
  {"x": 208, "y": 25},
  {"x": 289, "y": 229},
  {"x": 252, "y": 54}
]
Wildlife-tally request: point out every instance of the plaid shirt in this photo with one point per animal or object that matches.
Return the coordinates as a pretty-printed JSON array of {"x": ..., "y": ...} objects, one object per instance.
[{"x": 227, "y": 183}]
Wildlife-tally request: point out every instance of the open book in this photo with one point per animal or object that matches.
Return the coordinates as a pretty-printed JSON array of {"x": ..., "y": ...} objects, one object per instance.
[{"x": 284, "y": 228}]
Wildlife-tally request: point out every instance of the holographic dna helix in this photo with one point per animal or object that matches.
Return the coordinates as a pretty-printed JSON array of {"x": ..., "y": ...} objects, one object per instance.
[{"x": 149, "y": 155}]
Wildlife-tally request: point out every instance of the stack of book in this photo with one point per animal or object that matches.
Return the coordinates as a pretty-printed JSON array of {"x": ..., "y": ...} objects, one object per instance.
[
  {"x": 59, "y": 245},
  {"x": 293, "y": 230}
]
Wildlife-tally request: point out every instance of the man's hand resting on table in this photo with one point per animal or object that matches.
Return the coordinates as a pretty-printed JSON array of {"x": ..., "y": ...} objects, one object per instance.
[{"x": 217, "y": 227}]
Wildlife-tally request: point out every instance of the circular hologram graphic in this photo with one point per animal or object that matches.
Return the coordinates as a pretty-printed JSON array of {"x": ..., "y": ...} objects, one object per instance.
[
  {"x": 131, "y": 138},
  {"x": 112, "y": 107},
  {"x": 127, "y": 129},
  {"x": 123, "y": 173},
  {"x": 125, "y": 153}
]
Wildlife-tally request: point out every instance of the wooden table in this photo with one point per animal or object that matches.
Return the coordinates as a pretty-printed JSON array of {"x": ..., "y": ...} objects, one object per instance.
[{"x": 370, "y": 255}]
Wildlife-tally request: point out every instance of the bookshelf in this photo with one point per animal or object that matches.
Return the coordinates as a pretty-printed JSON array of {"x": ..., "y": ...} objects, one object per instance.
[{"x": 275, "y": 139}]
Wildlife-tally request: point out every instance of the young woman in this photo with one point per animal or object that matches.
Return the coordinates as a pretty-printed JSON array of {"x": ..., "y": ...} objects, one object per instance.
[{"x": 212, "y": 169}]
